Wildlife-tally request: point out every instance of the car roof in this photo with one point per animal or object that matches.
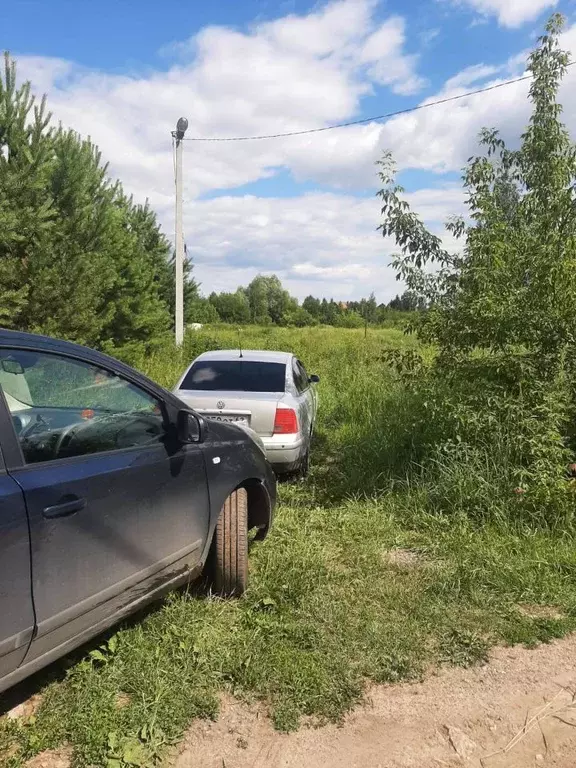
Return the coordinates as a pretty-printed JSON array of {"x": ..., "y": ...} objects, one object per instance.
[
  {"x": 260, "y": 355},
  {"x": 21, "y": 339},
  {"x": 38, "y": 342}
]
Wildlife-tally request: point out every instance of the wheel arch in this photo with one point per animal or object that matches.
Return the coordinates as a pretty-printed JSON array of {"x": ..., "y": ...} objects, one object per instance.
[{"x": 259, "y": 506}]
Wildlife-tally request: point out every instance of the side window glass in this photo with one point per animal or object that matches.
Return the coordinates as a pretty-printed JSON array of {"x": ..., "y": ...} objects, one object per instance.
[
  {"x": 296, "y": 376},
  {"x": 303, "y": 374},
  {"x": 300, "y": 380},
  {"x": 63, "y": 407}
]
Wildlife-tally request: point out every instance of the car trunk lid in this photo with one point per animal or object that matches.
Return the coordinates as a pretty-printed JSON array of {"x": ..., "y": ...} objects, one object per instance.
[{"x": 255, "y": 410}]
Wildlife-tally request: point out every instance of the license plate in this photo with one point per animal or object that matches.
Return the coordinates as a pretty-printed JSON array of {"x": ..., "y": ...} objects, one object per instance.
[{"x": 229, "y": 419}]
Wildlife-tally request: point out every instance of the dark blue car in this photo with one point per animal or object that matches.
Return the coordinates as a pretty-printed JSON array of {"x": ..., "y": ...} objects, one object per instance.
[{"x": 111, "y": 492}]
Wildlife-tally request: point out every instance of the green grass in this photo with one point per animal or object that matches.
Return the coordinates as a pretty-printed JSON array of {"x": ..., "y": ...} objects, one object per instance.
[{"x": 372, "y": 572}]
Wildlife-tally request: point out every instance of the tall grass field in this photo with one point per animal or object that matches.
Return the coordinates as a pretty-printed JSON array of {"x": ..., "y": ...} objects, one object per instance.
[{"x": 380, "y": 564}]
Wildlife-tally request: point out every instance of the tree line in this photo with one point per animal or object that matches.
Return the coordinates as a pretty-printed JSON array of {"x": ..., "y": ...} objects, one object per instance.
[{"x": 266, "y": 302}]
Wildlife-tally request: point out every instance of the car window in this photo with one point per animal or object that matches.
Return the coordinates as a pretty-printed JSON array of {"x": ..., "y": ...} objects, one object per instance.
[
  {"x": 303, "y": 371},
  {"x": 300, "y": 376},
  {"x": 63, "y": 407},
  {"x": 236, "y": 376}
]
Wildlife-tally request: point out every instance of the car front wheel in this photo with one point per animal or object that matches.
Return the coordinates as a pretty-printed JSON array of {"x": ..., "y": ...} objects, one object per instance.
[{"x": 231, "y": 546}]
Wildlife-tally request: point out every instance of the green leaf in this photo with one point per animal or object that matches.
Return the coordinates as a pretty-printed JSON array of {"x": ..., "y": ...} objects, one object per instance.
[{"x": 134, "y": 753}]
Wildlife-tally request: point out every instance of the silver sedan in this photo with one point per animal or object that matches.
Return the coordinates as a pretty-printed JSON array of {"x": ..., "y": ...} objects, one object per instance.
[{"x": 269, "y": 393}]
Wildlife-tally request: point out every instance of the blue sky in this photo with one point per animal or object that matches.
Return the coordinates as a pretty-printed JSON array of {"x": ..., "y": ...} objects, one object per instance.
[
  {"x": 123, "y": 71},
  {"x": 131, "y": 35}
]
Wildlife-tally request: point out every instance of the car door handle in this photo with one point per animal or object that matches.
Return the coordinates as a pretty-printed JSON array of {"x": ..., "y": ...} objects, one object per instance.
[{"x": 64, "y": 509}]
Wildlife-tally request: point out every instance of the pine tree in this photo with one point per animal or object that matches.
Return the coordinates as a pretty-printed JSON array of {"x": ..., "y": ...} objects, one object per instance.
[
  {"x": 139, "y": 310},
  {"x": 70, "y": 276},
  {"x": 78, "y": 259},
  {"x": 26, "y": 214}
]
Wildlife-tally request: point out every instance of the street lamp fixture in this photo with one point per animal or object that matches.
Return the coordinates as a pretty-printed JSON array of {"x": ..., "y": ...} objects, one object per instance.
[{"x": 181, "y": 127}]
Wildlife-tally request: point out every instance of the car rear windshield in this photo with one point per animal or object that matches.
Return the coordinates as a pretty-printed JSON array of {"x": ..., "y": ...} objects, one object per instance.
[{"x": 235, "y": 376}]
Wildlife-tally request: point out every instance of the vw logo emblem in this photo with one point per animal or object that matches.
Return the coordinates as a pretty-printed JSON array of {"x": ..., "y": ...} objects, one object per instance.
[{"x": 220, "y": 404}]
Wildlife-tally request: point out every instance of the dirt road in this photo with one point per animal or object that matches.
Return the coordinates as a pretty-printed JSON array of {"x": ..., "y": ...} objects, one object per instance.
[{"x": 457, "y": 717}]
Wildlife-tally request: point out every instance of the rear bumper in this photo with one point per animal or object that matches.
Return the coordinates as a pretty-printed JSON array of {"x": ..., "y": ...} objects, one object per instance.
[{"x": 284, "y": 452}]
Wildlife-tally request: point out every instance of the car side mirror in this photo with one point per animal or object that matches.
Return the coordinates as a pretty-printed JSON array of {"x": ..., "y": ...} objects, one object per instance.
[
  {"x": 190, "y": 427},
  {"x": 314, "y": 379},
  {"x": 10, "y": 365}
]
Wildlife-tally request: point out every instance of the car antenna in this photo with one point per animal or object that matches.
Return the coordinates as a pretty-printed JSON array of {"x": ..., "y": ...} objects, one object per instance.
[{"x": 240, "y": 342}]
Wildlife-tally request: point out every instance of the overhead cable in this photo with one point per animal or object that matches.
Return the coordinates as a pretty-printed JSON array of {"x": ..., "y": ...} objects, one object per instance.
[{"x": 373, "y": 119}]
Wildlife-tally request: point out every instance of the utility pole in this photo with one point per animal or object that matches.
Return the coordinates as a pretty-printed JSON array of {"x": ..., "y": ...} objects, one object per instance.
[{"x": 178, "y": 135}]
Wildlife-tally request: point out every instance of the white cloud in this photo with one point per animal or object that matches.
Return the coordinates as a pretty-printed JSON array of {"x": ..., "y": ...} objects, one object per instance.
[
  {"x": 470, "y": 75},
  {"x": 442, "y": 138},
  {"x": 291, "y": 74},
  {"x": 320, "y": 243},
  {"x": 428, "y": 36},
  {"x": 324, "y": 32},
  {"x": 43, "y": 72},
  {"x": 308, "y": 269},
  {"x": 382, "y": 52},
  {"x": 510, "y": 13}
]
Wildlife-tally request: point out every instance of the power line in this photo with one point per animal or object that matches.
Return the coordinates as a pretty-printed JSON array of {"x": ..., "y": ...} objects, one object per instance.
[{"x": 375, "y": 118}]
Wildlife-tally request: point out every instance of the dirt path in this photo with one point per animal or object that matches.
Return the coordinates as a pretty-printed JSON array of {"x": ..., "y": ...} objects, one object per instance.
[{"x": 455, "y": 718}]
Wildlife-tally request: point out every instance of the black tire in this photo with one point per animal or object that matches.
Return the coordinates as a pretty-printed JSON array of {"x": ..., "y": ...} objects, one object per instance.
[{"x": 231, "y": 546}]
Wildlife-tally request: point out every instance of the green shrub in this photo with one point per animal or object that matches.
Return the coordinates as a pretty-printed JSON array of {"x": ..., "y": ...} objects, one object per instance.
[{"x": 497, "y": 403}]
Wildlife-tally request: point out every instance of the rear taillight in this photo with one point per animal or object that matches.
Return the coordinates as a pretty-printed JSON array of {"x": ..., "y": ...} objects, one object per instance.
[{"x": 285, "y": 422}]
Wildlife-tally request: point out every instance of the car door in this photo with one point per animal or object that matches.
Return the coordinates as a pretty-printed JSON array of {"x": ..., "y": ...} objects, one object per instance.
[
  {"x": 16, "y": 611},
  {"x": 114, "y": 506},
  {"x": 305, "y": 409},
  {"x": 310, "y": 393}
]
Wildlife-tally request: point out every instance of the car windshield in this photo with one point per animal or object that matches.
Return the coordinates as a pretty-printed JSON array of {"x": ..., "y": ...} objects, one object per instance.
[{"x": 235, "y": 376}]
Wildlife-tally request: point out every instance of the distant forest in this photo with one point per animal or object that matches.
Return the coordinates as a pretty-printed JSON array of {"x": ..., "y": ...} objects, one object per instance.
[{"x": 266, "y": 302}]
